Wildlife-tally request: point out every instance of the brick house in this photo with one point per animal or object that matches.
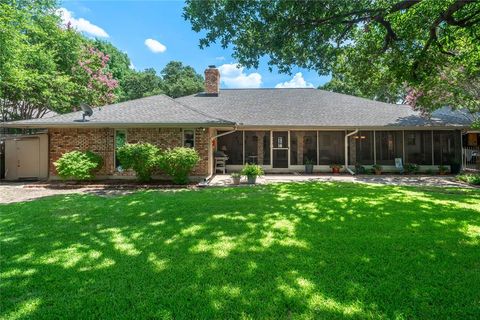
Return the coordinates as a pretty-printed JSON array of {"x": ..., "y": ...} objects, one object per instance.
[{"x": 279, "y": 129}]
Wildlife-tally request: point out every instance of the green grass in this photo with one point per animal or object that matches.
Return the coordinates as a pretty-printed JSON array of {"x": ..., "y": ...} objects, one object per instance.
[{"x": 286, "y": 251}]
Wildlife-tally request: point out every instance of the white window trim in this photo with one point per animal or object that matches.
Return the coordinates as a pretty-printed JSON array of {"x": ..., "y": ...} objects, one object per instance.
[{"x": 183, "y": 137}]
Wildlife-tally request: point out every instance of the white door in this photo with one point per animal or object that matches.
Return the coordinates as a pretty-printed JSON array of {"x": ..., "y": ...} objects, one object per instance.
[{"x": 28, "y": 158}]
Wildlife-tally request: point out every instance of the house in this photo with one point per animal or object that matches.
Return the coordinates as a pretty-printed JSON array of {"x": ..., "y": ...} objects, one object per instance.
[{"x": 280, "y": 129}]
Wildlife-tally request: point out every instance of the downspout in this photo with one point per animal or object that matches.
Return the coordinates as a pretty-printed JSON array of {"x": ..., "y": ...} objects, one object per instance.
[
  {"x": 211, "y": 140},
  {"x": 346, "y": 151}
]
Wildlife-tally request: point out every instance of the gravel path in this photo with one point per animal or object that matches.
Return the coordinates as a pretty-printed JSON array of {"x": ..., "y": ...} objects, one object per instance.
[{"x": 19, "y": 192}]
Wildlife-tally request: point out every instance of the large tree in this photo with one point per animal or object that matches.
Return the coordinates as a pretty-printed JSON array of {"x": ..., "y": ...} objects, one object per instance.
[
  {"x": 382, "y": 49},
  {"x": 180, "y": 80},
  {"x": 139, "y": 84},
  {"x": 45, "y": 66}
]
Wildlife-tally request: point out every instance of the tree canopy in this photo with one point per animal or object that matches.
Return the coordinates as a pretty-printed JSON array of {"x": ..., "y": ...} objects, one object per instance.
[
  {"x": 180, "y": 80},
  {"x": 426, "y": 52},
  {"x": 46, "y": 66}
]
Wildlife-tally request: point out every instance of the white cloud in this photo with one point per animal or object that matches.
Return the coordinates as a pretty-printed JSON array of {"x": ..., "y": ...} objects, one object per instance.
[
  {"x": 296, "y": 82},
  {"x": 81, "y": 24},
  {"x": 220, "y": 58},
  {"x": 233, "y": 76},
  {"x": 155, "y": 46}
]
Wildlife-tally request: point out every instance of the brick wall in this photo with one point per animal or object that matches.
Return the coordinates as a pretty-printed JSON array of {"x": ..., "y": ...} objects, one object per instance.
[
  {"x": 96, "y": 140},
  {"x": 212, "y": 81},
  {"x": 101, "y": 141}
]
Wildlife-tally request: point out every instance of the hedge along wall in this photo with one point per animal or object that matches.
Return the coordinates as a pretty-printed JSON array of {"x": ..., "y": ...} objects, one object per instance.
[{"x": 102, "y": 141}]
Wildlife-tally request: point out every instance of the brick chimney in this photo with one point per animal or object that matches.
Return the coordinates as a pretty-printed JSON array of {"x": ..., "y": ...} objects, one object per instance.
[{"x": 212, "y": 81}]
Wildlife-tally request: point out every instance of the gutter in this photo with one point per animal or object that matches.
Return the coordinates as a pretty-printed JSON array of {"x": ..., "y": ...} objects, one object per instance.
[{"x": 346, "y": 151}]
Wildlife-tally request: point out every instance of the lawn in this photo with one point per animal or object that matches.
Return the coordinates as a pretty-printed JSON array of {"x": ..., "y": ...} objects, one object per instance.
[{"x": 285, "y": 251}]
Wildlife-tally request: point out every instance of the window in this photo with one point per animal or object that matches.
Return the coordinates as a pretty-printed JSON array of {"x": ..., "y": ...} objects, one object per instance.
[
  {"x": 361, "y": 148},
  {"x": 120, "y": 140},
  {"x": 444, "y": 145},
  {"x": 331, "y": 147},
  {"x": 389, "y": 146},
  {"x": 418, "y": 147},
  {"x": 232, "y": 145},
  {"x": 257, "y": 147},
  {"x": 303, "y": 147},
  {"x": 189, "y": 138}
]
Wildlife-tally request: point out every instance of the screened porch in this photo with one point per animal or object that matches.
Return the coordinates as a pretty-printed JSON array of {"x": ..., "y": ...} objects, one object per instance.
[{"x": 290, "y": 150}]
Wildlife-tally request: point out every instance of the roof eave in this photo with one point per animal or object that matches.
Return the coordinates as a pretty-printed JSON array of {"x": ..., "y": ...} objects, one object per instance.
[{"x": 114, "y": 125}]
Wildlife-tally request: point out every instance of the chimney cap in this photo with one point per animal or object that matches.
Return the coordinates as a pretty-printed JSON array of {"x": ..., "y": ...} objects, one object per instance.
[{"x": 212, "y": 66}]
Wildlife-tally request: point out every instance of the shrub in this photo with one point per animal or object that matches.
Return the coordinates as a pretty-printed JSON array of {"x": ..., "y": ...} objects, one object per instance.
[
  {"x": 252, "y": 170},
  {"x": 470, "y": 178},
  {"x": 411, "y": 168},
  {"x": 78, "y": 165},
  {"x": 178, "y": 163},
  {"x": 359, "y": 169},
  {"x": 442, "y": 169},
  {"x": 141, "y": 157}
]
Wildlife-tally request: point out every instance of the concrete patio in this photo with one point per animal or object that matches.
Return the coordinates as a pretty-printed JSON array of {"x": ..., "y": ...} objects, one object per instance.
[{"x": 417, "y": 180}]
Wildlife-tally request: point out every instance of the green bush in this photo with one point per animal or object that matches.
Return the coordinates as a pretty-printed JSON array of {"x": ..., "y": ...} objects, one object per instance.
[
  {"x": 411, "y": 168},
  {"x": 178, "y": 163},
  {"x": 470, "y": 178},
  {"x": 359, "y": 169},
  {"x": 78, "y": 165},
  {"x": 141, "y": 157},
  {"x": 252, "y": 170}
]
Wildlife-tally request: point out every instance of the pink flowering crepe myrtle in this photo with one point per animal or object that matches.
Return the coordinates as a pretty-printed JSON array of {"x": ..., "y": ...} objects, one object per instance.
[{"x": 93, "y": 74}]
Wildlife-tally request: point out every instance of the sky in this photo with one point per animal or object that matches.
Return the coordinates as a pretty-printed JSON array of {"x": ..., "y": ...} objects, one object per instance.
[{"x": 153, "y": 33}]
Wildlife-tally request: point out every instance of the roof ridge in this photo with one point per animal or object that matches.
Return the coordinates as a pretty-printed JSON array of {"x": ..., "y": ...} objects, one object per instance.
[{"x": 198, "y": 111}]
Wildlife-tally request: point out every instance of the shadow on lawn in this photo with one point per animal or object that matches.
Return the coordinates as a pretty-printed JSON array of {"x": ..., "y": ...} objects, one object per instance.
[{"x": 280, "y": 251}]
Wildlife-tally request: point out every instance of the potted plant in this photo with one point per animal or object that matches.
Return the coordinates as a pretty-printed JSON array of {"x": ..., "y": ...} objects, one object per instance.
[
  {"x": 336, "y": 168},
  {"x": 442, "y": 169},
  {"x": 236, "y": 178},
  {"x": 252, "y": 171},
  {"x": 359, "y": 169},
  {"x": 308, "y": 165},
  {"x": 411, "y": 168},
  {"x": 378, "y": 169}
]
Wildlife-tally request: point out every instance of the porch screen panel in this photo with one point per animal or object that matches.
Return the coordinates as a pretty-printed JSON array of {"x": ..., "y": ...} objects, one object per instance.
[
  {"x": 303, "y": 146},
  {"x": 361, "y": 148},
  {"x": 446, "y": 147},
  {"x": 418, "y": 147},
  {"x": 257, "y": 147},
  {"x": 232, "y": 145},
  {"x": 389, "y": 145},
  {"x": 331, "y": 146}
]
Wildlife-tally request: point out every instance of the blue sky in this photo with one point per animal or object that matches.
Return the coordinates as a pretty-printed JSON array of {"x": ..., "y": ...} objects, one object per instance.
[{"x": 153, "y": 33}]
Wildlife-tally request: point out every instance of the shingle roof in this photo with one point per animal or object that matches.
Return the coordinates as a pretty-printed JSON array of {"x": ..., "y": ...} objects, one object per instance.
[
  {"x": 313, "y": 107},
  {"x": 256, "y": 107},
  {"x": 156, "y": 110}
]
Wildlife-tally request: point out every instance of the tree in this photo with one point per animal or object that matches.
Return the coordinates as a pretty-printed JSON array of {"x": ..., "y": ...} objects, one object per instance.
[
  {"x": 180, "y": 80},
  {"x": 94, "y": 83},
  {"x": 141, "y": 84},
  {"x": 39, "y": 63},
  {"x": 119, "y": 65},
  {"x": 409, "y": 45}
]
